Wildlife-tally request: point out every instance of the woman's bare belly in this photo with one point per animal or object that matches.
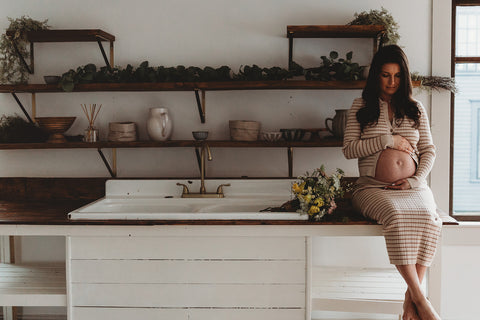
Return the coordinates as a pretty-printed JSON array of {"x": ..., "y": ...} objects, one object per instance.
[{"x": 393, "y": 165}]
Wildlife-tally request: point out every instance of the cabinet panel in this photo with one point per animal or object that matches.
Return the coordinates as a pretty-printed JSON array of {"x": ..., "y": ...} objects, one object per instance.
[
  {"x": 262, "y": 248},
  {"x": 187, "y": 271},
  {"x": 186, "y": 314},
  {"x": 189, "y": 295}
]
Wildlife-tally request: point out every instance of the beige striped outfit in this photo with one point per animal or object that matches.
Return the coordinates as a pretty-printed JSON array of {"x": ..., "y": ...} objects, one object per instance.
[{"x": 411, "y": 225}]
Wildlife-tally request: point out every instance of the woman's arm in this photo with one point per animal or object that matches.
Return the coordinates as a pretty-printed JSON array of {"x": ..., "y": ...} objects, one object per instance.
[
  {"x": 353, "y": 146},
  {"x": 426, "y": 150}
]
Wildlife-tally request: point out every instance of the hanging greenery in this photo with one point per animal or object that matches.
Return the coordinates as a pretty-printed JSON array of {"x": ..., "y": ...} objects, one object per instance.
[
  {"x": 379, "y": 17},
  {"x": 11, "y": 68}
]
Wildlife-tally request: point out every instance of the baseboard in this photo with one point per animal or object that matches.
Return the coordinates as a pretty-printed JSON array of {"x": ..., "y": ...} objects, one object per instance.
[{"x": 39, "y": 317}]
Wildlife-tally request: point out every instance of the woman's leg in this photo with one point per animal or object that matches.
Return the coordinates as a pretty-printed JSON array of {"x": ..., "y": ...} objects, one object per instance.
[
  {"x": 409, "y": 309},
  {"x": 413, "y": 276}
]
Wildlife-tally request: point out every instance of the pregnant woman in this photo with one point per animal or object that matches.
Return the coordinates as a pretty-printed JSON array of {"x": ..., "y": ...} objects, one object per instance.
[{"x": 388, "y": 131}]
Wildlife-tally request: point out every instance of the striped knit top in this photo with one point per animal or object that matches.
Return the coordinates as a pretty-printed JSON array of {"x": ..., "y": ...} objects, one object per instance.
[{"x": 367, "y": 145}]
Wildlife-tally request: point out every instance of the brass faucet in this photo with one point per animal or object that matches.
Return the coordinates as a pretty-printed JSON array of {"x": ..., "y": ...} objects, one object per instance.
[{"x": 204, "y": 153}]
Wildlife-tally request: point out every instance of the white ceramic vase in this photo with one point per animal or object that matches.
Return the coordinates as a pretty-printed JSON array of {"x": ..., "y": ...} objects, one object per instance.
[{"x": 159, "y": 124}]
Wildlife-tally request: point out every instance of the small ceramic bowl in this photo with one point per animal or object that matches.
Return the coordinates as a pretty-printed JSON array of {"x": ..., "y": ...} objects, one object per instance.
[
  {"x": 292, "y": 134},
  {"x": 51, "y": 79},
  {"x": 200, "y": 135},
  {"x": 271, "y": 136}
]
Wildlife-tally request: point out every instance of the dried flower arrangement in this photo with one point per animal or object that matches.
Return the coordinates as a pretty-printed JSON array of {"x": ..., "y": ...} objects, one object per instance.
[{"x": 435, "y": 82}]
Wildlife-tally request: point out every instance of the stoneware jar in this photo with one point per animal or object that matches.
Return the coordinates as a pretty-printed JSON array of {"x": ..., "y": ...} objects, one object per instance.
[
  {"x": 339, "y": 122},
  {"x": 159, "y": 124}
]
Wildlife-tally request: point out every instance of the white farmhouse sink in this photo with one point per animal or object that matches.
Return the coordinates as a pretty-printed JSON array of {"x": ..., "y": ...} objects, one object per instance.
[{"x": 136, "y": 200}]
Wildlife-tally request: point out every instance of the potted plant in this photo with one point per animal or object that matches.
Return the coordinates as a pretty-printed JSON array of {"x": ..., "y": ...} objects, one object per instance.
[
  {"x": 11, "y": 68},
  {"x": 379, "y": 17}
]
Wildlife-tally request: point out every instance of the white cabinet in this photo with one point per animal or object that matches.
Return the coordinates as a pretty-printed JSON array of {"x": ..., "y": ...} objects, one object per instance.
[{"x": 187, "y": 277}]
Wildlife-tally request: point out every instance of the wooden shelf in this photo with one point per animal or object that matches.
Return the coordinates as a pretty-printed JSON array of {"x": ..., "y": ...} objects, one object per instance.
[
  {"x": 327, "y": 142},
  {"x": 191, "y": 86},
  {"x": 67, "y": 35},
  {"x": 374, "y": 32},
  {"x": 32, "y": 285},
  {"x": 335, "y": 31}
]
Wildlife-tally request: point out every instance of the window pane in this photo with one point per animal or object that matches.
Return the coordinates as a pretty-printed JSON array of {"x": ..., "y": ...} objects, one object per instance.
[
  {"x": 467, "y": 31},
  {"x": 466, "y": 156}
]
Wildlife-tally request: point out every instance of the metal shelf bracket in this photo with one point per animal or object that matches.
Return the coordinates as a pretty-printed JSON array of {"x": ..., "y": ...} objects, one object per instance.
[
  {"x": 30, "y": 68},
  {"x": 290, "y": 162},
  {"x": 108, "y": 63},
  {"x": 111, "y": 169},
  {"x": 197, "y": 153},
  {"x": 200, "y": 104},
  {"x": 21, "y": 107}
]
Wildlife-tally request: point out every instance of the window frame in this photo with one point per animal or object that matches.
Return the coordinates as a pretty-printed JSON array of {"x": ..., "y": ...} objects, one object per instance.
[{"x": 455, "y": 60}]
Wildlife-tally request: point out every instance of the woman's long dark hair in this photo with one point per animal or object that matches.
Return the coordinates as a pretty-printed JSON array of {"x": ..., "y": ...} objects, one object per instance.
[{"x": 402, "y": 101}]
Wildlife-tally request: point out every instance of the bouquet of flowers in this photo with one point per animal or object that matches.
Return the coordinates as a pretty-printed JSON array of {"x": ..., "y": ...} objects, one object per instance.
[{"x": 316, "y": 192}]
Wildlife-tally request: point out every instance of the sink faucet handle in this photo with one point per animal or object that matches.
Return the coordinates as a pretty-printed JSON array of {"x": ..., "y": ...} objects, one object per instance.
[
  {"x": 220, "y": 188},
  {"x": 185, "y": 188}
]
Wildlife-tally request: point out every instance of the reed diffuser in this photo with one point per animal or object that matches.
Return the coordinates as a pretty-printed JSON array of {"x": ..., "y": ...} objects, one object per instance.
[{"x": 91, "y": 133}]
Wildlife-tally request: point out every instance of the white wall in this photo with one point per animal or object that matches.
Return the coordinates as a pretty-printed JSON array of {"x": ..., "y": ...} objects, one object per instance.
[{"x": 214, "y": 33}]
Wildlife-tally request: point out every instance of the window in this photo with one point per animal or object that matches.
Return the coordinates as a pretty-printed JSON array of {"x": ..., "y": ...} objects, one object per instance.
[{"x": 466, "y": 111}]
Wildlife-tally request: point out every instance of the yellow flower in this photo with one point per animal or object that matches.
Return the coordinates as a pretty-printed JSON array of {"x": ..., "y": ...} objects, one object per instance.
[
  {"x": 319, "y": 202},
  {"x": 313, "y": 210},
  {"x": 307, "y": 198},
  {"x": 296, "y": 188}
]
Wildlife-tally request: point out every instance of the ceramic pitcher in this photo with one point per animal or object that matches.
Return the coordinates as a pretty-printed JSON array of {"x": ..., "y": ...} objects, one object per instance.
[
  {"x": 339, "y": 122},
  {"x": 159, "y": 124}
]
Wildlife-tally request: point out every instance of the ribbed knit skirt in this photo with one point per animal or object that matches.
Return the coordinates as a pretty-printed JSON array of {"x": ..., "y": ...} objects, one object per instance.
[{"x": 411, "y": 225}]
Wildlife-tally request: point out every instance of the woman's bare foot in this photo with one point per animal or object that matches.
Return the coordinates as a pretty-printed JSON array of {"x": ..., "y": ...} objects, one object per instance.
[
  {"x": 425, "y": 310},
  {"x": 409, "y": 309}
]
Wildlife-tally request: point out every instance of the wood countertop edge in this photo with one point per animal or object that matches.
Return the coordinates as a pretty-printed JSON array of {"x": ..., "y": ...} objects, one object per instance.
[{"x": 56, "y": 213}]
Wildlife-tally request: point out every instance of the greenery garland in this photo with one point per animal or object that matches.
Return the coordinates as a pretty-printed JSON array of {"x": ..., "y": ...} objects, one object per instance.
[
  {"x": 11, "y": 68},
  {"x": 331, "y": 69}
]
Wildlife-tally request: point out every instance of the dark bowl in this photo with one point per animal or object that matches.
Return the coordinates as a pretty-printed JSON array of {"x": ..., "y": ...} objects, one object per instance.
[
  {"x": 200, "y": 135},
  {"x": 292, "y": 134},
  {"x": 51, "y": 79}
]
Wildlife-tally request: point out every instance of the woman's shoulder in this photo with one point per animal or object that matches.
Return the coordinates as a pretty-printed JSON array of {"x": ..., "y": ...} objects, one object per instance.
[
  {"x": 358, "y": 103},
  {"x": 420, "y": 106}
]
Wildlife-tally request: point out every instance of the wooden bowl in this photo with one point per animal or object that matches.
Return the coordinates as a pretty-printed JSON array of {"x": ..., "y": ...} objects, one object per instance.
[{"x": 55, "y": 126}]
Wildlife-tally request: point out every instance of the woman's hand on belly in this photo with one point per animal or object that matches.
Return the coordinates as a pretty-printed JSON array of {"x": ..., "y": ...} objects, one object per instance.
[
  {"x": 393, "y": 166},
  {"x": 402, "y": 144},
  {"x": 401, "y": 184}
]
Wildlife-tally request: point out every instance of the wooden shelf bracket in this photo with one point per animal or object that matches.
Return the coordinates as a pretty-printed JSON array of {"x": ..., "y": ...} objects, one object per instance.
[{"x": 200, "y": 104}]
